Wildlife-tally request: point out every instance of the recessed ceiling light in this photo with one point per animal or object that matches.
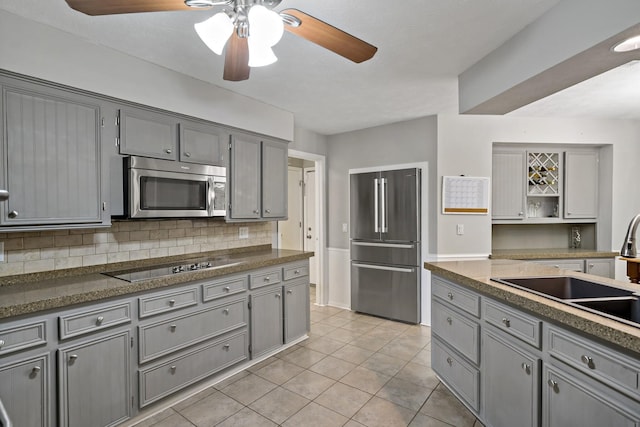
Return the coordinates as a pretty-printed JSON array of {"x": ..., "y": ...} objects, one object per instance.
[{"x": 628, "y": 45}]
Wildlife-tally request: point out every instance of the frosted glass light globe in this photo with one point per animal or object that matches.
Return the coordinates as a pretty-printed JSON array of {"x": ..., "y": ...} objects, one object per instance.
[
  {"x": 260, "y": 54},
  {"x": 215, "y": 31},
  {"x": 266, "y": 25}
]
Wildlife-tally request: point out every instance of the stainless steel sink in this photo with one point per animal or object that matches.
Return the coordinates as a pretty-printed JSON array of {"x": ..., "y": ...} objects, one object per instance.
[
  {"x": 564, "y": 287},
  {"x": 618, "y": 304}
]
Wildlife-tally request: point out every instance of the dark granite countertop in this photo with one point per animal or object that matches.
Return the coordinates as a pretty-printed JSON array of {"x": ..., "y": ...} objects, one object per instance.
[
  {"x": 553, "y": 253},
  {"x": 476, "y": 275},
  {"x": 33, "y": 293}
]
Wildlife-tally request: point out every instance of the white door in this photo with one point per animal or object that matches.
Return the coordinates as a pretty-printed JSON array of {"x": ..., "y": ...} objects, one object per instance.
[
  {"x": 310, "y": 236},
  {"x": 291, "y": 235}
]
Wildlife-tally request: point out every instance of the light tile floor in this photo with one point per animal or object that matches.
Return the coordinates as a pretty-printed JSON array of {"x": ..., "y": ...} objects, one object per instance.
[{"x": 353, "y": 371}]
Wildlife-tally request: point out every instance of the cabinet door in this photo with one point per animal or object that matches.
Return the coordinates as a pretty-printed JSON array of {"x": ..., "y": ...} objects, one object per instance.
[
  {"x": 150, "y": 134},
  {"x": 203, "y": 143},
  {"x": 94, "y": 386},
  {"x": 244, "y": 174},
  {"x": 508, "y": 185},
  {"x": 266, "y": 321},
  {"x": 601, "y": 267},
  {"x": 569, "y": 400},
  {"x": 24, "y": 391},
  {"x": 296, "y": 310},
  {"x": 581, "y": 185},
  {"x": 274, "y": 179},
  {"x": 510, "y": 385},
  {"x": 52, "y": 158}
]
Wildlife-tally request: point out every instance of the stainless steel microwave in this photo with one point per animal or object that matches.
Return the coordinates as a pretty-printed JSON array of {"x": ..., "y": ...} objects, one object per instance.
[{"x": 169, "y": 189}]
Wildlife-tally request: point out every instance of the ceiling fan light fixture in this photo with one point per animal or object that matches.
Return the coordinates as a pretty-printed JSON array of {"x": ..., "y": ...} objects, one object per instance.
[
  {"x": 215, "y": 31},
  {"x": 260, "y": 54},
  {"x": 265, "y": 25},
  {"x": 632, "y": 43}
]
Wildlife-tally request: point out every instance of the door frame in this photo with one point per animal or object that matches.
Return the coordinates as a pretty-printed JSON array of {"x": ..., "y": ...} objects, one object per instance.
[{"x": 322, "y": 294}]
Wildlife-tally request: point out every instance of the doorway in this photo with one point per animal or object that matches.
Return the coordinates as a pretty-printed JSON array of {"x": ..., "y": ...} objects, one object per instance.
[{"x": 304, "y": 228}]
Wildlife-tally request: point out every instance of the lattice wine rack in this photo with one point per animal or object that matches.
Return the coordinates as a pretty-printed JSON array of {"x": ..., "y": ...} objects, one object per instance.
[{"x": 543, "y": 174}]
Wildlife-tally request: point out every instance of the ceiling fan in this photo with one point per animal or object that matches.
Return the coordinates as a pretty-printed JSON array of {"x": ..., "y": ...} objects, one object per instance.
[{"x": 250, "y": 26}]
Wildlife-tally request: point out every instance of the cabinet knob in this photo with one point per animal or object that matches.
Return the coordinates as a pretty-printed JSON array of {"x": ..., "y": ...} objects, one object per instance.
[
  {"x": 226, "y": 289},
  {"x": 553, "y": 384},
  {"x": 520, "y": 213},
  {"x": 99, "y": 320},
  {"x": 173, "y": 369},
  {"x": 296, "y": 272},
  {"x": 450, "y": 295},
  {"x": 226, "y": 347},
  {"x": 267, "y": 278},
  {"x": 267, "y": 210},
  {"x": 1, "y": 343},
  {"x": 13, "y": 214},
  {"x": 591, "y": 265},
  {"x": 73, "y": 358},
  {"x": 256, "y": 211},
  {"x": 277, "y": 295},
  {"x": 187, "y": 154},
  {"x": 526, "y": 368},
  {"x": 225, "y": 311},
  {"x": 168, "y": 151},
  {"x": 449, "y": 361},
  {"x": 289, "y": 292},
  {"x": 506, "y": 322},
  {"x": 588, "y": 361},
  {"x": 173, "y": 327},
  {"x": 449, "y": 321},
  {"x": 35, "y": 371}
]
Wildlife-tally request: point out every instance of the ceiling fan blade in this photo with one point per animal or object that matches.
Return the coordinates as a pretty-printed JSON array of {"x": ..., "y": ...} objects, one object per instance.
[
  {"x": 329, "y": 37},
  {"x": 236, "y": 61},
  {"x": 112, "y": 7}
]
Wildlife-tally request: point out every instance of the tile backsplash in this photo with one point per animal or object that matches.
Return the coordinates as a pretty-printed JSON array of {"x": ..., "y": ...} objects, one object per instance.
[{"x": 124, "y": 241}]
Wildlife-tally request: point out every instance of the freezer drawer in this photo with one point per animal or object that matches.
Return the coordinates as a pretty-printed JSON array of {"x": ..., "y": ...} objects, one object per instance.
[
  {"x": 407, "y": 253},
  {"x": 387, "y": 291}
]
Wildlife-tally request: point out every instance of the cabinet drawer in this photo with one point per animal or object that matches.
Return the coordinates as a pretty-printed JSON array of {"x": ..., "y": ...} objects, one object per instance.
[
  {"x": 461, "y": 377},
  {"x": 85, "y": 322},
  {"x": 264, "y": 278},
  {"x": 167, "y": 301},
  {"x": 22, "y": 337},
  {"x": 609, "y": 366},
  {"x": 222, "y": 288},
  {"x": 520, "y": 325},
  {"x": 161, "y": 380},
  {"x": 456, "y": 296},
  {"x": 455, "y": 329},
  {"x": 158, "y": 339},
  {"x": 566, "y": 264},
  {"x": 295, "y": 271}
]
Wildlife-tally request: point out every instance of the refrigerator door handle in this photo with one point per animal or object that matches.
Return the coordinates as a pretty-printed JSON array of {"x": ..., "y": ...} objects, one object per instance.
[
  {"x": 382, "y": 267},
  {"x": 376, "y": 202},
  {"x": 384, "y": 205},
  {"x": 384, "y": 245}
]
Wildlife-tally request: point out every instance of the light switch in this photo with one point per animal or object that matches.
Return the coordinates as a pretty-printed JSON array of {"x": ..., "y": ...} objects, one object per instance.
[
  {"x": 460, "y": 229},
  {"x": 345, "y": 228}
]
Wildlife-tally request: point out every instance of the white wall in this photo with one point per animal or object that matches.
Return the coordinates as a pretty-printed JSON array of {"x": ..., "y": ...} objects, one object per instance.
[
  {"x": 41, "y": 51},
  {"x": 465, "y": 146}
]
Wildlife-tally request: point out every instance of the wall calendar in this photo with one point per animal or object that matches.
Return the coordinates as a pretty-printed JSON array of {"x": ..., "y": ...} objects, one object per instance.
[{"x": 465, "y": 195}]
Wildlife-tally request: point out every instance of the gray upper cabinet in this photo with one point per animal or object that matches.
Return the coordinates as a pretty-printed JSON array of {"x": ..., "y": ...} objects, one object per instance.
[
  {"x": 257, "y": 178},
  {"x": 581, "y": 184},
  {"x": 508, "y": 185},
  {"x": 203, "y": 143},
  {"x": 149, "y": 134},
  {"x": 51, "y": 157}
]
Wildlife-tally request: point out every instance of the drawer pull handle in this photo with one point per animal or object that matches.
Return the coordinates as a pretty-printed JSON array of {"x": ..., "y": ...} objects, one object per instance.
[
  {"x": 289, "y": 292},
  {"x": 168, "y": 151},
  {"x": 449, "y": 361},
  {"x": 226, "y": 347},
  {"x": 296, "y": 272},
  {"x": 173, "y": 369},
  {"x": 173, "y": 327},
  {"x": 526, "y": 368},
  {"x": 187, "y": 154},
  {"x": 73, "y": 358},
  {"x": 172, "y": 302},
  {"x": 225, "y": 311},
  {"x": 553, "y": 384},
  {"x": 99, "y": 320},
  {"x": 588, "y": 361},
  {"x": 449, "y": 321},
  {"x": 35, "y": 371},
  {"x": 267, "y": 278},
  {"x": 506, "y": 322},
  {"x": 1, "y": 343},
  {"x": 450, "y": 295},
  {"x": 226, "y": 289}
]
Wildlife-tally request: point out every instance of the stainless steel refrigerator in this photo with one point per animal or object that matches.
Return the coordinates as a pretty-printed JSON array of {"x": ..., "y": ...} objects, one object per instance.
[{"x": 385, "y": 244}]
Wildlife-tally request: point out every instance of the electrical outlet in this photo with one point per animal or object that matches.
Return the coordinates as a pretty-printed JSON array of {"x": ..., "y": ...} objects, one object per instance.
[
  {"x": 243, "y": 232},
  {"x": 1, "y": 251},
  {"x": 345, "y": 228},
  {"x": 460, "y": 229}
]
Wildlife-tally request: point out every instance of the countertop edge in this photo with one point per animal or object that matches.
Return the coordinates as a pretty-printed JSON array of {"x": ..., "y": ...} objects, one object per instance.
[{"x": 541, "y": 254}]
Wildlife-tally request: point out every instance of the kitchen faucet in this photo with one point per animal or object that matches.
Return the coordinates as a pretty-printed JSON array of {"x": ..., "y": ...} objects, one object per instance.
[{"x": 629, "y": 246}]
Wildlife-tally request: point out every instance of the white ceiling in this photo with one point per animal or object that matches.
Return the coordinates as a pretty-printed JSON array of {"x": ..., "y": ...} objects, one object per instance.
[{"x": 423, "y": 45}]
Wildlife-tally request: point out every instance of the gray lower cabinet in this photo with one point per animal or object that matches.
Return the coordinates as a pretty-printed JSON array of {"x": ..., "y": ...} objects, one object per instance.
[
  {"x": 511, "y": 382},
  {"x": 601, "y": 267},
  {"x": 24, "y": 391},
  {"x": 52, "y": 153},
  {"x": 296, "y": 309},
  {"x": 266, "y": 320},
  {"x": 148, "y": 133},
  {"x": 257, "y": 178},
  {"x": 94, "y": 381}
]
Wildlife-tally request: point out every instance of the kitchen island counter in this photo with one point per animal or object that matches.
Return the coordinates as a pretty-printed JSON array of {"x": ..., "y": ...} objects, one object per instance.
[
  {"x": 32, "y": 293},
  {"x": 476, "y": 276}
]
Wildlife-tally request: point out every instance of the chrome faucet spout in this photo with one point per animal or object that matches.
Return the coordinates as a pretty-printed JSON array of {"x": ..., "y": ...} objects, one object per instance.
[{"x": 629, "y": 246}]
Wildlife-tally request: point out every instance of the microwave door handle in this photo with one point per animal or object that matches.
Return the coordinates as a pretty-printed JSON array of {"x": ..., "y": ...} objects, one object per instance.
[{"x": 210, "y": 195}]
